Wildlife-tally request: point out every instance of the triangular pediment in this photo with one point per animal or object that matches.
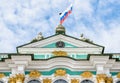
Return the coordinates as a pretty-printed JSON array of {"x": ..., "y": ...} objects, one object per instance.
[
  {"x": 70, "y": 42},
  {"x": 50, "y": 42},
  {"x": 54, "y": 45}
]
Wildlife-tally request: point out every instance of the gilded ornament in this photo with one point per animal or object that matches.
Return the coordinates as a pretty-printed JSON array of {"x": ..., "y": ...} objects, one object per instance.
[
  {"x": 109, "y": 80},
  {"x": 47, "y": 80},
  {"x": 118, "y": 75},
  {"x": 18, "y": 78},
  {"x": 101, "y": 78},
  {"x": 12, "y": 80},
  {"x": 2, "y": 75},
  {"x": 34, "y": 74},
  {"x": 86, "y": 74},
  {"x": 59, "y": 53},
  {"x": 74, "y": 80},
  {"x": 60, "y": 72}
]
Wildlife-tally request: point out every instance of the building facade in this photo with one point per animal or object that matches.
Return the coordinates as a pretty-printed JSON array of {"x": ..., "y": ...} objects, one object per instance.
[{"x": 60, "y": 58}]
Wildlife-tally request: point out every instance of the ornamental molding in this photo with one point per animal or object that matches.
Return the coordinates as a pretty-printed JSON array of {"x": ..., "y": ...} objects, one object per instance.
[
  {"x": 60, "y": 72},
  {"x": 87, "y": 74},
  {"x": 74, "y": 80},
  {"x": 103, "y": 78},
  {"x": 59, "y": 53},
  {"x": 34, "y": 74},
  {"x": 18, "y": 78},
  {"x": 47, "y": 80}
]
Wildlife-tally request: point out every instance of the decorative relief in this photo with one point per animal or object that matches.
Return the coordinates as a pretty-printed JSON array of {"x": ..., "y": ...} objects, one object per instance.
[
  {"x": 2, "y": 75},
  {"x": 59, "y": 53},
  {"x": 60, "y": 72},
  {"x": 19, "y": 78},
  {"x": 74, "y": 80},
  {"x": 101, "y": 78},
  {"x": 34, "y": 74},
  {"x": 118, "y": 75},
  {"x": 47, "y": 80},
  {"x": 12, "y": 80},
  {"x": 86, "y": 74},
  {"x": 109, "y": 80}
]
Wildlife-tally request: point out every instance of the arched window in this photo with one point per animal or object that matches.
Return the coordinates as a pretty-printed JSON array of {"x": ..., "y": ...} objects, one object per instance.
[
  {"x": 60, "y": 81},
  {"x": 1, "y": 81},
  {"x": 87, "y": 81},
  {"x": 34, "y": 81},
  {"x": 118, "y": 81}
]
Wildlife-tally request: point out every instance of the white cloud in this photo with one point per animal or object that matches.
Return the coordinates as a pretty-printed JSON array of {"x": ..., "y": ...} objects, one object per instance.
[
  {"x": 22, "y": 20},
  {"x": 110, "y": 38}
]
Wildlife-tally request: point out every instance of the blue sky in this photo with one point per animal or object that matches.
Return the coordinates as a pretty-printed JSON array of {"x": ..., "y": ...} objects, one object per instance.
[{"x": 22, "y": 20}]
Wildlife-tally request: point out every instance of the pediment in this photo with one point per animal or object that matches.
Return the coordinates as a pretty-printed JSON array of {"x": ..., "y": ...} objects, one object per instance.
[
  {"x": 54, "y": 45},
  {"x": 51, "y": 41},
  {"x": 70, "y": 43}
]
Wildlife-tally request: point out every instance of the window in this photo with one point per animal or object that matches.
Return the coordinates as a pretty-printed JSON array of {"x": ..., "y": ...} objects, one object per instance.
[
  {"x": 1, "y": 81},
  {"x": 118, "y": 82},
  {"x": 34, "y": 81},
  {"x": 87, "y": 81},
  {"x": 60, "y": 81}
]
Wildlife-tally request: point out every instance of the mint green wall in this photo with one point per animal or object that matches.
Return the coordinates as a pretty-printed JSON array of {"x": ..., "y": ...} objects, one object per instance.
[
  {"x": 49, "y": 55},
  {"x": 116, "y": 56},
  {"x": 3, "y": 56},
  {"x": 39, "y": 56},
  {"x": 114, "y": 73},
  {"x": 67, "y": 71},
  {"x": 78, "y": 56},
  {"x": 6, "y": 73}
]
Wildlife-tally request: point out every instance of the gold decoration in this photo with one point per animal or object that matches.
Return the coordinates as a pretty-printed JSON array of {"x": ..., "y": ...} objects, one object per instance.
[
  {"x": 109, "y": 80},
  {"x": 86, "y": 74},
  {"x": 18, "y": 78},
  {"x": 101, "y": 78},
  {"x": 74, "y": 80},
  {"x": 34, "y": 74},
  {"x": 12, "y": 80},
  {"x": 104, "y": 78},
  {"x": 47, "y": 80},
  {"x": 118, "y": 75},
  {"x": 59, "y": 53},
  {"x": 60, "y": 72},
  {"x": 2, "y": 75}
]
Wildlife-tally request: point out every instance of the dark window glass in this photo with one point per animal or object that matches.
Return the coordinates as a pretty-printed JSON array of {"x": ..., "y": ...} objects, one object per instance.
[
  {"x": 118, "y": 82},
  {"x": 87, "y": 81},
  {"x": 34, "y": 81},
  {"x": 1, "y": 82},
  {"x": 60, "y": 81}
]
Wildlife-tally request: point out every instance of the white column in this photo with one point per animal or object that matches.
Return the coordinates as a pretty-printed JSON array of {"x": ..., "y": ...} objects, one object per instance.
[
  {"x": 21, "y": 68},
  {"x": 14, "y": 70},
  {"x": 99, "y": 69},
  {"x": 107, "y": 72}
]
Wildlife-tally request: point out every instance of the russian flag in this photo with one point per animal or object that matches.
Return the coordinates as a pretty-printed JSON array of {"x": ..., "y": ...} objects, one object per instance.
[{"x": 65, "y": 14}]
